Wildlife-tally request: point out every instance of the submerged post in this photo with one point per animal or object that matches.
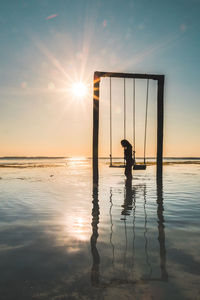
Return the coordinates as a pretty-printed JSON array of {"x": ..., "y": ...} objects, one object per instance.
[
  {"x": 161, "y": 231},
  {"x": 95, "y": 272},
  {"x": 95, "y": 126},
  {"x": 160, "y": 121}
]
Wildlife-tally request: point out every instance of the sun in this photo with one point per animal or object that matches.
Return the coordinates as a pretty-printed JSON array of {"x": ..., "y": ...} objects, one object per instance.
[{"x": 79, "y": 89}]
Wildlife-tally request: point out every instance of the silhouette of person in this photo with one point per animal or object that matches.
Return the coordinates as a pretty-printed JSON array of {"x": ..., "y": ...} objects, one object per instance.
[{"x": 128, "y": 158}]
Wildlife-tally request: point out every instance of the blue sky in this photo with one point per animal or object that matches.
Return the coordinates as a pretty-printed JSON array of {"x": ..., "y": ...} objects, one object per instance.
[{"x": 46, "y": 45}]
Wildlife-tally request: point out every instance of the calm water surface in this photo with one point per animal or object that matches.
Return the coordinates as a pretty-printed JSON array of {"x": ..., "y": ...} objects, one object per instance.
[{"x": 63, "y": 238}]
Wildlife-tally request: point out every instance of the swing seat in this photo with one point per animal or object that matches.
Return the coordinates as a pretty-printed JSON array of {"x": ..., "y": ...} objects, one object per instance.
[
  {"x": 139, "y": 167},
  {"x": 116, "y": 166}
]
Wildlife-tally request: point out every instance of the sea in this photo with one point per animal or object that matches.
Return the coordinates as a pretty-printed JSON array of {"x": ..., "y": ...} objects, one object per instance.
[{"x": 62, "y": 236}]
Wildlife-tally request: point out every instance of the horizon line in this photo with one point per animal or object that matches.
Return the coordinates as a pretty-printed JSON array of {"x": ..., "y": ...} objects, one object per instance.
[{"x": 88, "y": 157}]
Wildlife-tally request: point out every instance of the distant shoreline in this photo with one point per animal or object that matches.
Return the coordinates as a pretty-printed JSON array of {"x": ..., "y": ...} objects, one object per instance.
[
  {"x": 33, "y": 157},
  {"x": 68, "y": 157},
  {"x": 61, "y": 161}
]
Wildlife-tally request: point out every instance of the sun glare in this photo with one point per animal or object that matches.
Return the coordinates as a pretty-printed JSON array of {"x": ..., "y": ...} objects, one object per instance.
[{"x": 79, "y": 89}]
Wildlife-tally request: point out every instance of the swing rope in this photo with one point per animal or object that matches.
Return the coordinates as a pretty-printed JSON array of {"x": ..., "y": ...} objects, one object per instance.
[
  {"x": 124, "y": 113},
  {"x": 133, "y": 115},
  {"x": 124, "y": 108},
  {"x": 145, "y": 129},
  {"x": 110, "y": 122}
]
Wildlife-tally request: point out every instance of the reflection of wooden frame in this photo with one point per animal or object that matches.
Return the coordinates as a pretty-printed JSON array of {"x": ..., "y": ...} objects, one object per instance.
[
  {"x": 160, "y": 115},
  {"x": 95, "y": 273}
]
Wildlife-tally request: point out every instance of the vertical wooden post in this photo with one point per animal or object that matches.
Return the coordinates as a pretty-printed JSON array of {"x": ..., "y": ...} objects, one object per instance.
[
  {"x": 160, "y": 121},
  {"x": 95, "y": 127}
]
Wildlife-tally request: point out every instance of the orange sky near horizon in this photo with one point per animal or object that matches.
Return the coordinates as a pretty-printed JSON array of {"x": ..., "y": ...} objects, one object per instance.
[{"x": 62, "y": 126}]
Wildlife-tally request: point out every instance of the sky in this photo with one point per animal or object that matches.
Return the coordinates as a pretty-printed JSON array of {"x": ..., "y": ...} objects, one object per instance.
[{"x": 47, "y": 46}]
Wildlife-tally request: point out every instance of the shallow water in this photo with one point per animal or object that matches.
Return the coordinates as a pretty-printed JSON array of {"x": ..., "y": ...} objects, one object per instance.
[{"x": 63, "y": 238}]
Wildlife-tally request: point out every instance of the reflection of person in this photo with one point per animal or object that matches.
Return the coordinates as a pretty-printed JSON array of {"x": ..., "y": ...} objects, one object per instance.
[
  {"x": 128, "y": 199},
  {"x": 128, "y": 158}
]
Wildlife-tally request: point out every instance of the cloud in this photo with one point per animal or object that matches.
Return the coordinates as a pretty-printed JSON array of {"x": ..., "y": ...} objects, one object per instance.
[
  {"x": 183, "y": 27},
  {"x": 104, "y": 23},
  {"x": 51, "y": 16}
]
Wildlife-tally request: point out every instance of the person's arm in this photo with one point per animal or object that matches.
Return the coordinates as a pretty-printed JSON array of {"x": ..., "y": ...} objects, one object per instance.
[
  {"x": 133, "y": 157},
  {"x": 125, "y": 154}
]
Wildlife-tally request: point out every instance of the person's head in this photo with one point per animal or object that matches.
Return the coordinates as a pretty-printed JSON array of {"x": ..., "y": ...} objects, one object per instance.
[{"x": 125, "y": 144}]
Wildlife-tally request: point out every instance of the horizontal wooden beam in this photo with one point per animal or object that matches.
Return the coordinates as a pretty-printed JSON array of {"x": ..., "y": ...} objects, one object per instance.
[{"x": 128, "y": 75}]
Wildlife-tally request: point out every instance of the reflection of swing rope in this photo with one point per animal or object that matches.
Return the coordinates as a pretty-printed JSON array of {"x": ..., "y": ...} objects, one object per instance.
[
  {"x": 125, "y": 230},
  {"x": 111, "y": 228},
  {"x": 145, "y": 234},
  {"x": 125, "y": 252},
  {"x": 134, "y": 210}
]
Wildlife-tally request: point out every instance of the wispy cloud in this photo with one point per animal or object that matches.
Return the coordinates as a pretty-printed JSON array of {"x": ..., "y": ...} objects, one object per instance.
[
  {"x": 149, "y": 51},
  {"x": 183, "y": 27},
  {"x": 51, "y": 16}
]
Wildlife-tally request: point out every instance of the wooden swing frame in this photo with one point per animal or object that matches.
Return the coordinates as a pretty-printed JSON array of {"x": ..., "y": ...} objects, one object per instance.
[{"x": 160, "y": 115}]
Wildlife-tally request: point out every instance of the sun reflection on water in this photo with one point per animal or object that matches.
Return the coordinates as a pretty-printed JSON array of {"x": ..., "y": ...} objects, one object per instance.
[{"x": 78, "y": 228}]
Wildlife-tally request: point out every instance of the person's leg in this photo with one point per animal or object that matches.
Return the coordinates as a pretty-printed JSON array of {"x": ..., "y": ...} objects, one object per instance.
[{"x": 128, "y": 171}]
